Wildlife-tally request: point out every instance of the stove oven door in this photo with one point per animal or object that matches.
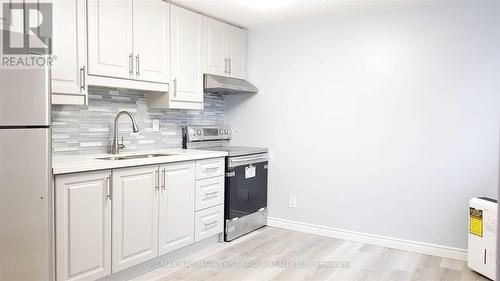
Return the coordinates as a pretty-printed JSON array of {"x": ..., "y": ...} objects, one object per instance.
[{"x": 246, "y": 185}]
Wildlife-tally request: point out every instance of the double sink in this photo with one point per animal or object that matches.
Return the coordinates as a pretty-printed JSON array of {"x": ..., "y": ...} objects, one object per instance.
[{"x": 139, "y": 156}]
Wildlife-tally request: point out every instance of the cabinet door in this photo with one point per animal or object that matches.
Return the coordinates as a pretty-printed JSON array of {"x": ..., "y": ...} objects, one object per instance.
[
  {"x": 209, "y": 222},
  {"x": 152, "y": 40},
  {"x": 176, "y": 216},
  {"x": 237, "y": 52},
  {"x": 110, "y": 38},
  {"x": 186, "y": 55},
  {"x": 135, "y": 216},
  {"x": 83, "y": 226},
  {"x": 70, "y": 48},
  {"x": 215, "y": 47}
]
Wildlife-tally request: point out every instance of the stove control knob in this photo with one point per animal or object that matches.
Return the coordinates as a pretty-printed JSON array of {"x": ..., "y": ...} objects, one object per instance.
[
  {"x": 226, "y": 132},
  {"x": 198, "y": 132},
  {"x": 221, "y": 132}
]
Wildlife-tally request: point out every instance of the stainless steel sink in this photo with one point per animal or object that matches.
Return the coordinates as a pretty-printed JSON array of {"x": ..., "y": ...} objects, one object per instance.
[
  {"x": 139, "y": 156},
  {"x": 147, "y": 155},
  {"x": 112, "y": 158}
]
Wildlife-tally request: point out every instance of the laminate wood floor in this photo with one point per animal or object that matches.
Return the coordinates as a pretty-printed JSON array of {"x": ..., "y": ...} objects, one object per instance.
[{"x": 278, "y": 254}]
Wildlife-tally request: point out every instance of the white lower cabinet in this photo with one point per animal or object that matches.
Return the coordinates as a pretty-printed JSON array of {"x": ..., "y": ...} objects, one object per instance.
[
  {"x": 83, "y": 226},
  {"x": 176, "y": 208},
  {"x": 209, "y": 168},
  {"x": 209, "y": 222},
  {"x": 209, "y": 192},
  {"x": 135, "y": 216},
  {"x": 108, "y": 221}
]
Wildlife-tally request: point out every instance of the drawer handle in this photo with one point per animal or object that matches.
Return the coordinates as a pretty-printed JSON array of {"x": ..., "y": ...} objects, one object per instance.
[
  {"x": 211, "y": 169},
  {"x": 211, "y": 223},
  {"x": 209, "y": 194}
]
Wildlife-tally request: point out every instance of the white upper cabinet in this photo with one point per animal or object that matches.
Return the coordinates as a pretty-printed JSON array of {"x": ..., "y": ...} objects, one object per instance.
[
  {"x": 129, "y": 40},
  {"x": 237, "y": 52},
  {"x": 176, "y": 206},
  {"x": 152, "y": 40},
  {"x": 69, "y": 46},
  {"x": 186, "y": 89},
  {"x": 225, "y": 48},
  {"x": 135, "y": 216},
  {"x": 110, "y": 38},
  {"x": 216, "y": 60},
  {"x": 83, "y": 226}
]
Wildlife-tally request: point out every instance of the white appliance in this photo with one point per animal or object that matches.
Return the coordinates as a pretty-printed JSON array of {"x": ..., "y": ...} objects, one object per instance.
[
  {"x": 482, "y": 236},
  {"x": 26, "y": 227}
]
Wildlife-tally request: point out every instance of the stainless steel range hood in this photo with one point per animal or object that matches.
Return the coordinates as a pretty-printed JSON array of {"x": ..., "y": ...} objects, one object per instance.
[{"x": 219, "y": 85}]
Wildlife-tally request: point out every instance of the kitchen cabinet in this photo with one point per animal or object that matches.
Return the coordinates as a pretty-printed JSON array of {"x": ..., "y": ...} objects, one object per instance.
[
  {"x": 215, "y": 47},
  {"x": 209, "y": 222},
  {"x": 83, "y": 226},
  {"x": 186, "y": 60},
  {"x": 128, "y": 44},
  {"x": 110, "y": 38},
  {"x": 108, "y": 221},
  {"x": 209, "y": 193},
  {"x": 135, "y": 216},
  {"x": 237, "y": 52},
  {"x": 208, "y": 168},
  {"x": 176, "y": 206},
  {"x": 69, "y": 46},
  {"x": 225, "y": 49},
  {"x": 209, "y": 198},
  {"x": 151, "y": 46}
]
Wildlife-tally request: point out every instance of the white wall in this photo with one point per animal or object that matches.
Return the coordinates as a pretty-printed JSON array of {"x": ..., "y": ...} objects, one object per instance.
[{"x": 383, "y": 122}]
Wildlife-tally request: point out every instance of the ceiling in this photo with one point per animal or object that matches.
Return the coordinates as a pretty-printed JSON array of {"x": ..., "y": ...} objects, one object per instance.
[{"x": 255, "y": 13}]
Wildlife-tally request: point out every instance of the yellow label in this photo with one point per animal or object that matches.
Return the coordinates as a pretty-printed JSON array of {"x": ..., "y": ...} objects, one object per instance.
[{"x": 476, "y": 222}]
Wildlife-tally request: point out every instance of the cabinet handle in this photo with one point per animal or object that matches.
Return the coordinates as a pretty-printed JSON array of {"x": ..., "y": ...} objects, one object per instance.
[
  {"x": 164, "y": 183},
  {"x": 211, "y": 169},
  {"x": 208, "y": 194},
  {"x": 131, "y": 64},
  {"x": 211, "y": 223},
  {"x": 108, "y": 187},
  {"x": 175, "y": 87},
  {"x": 82, "y": 78},
  {"x": 137, "y": 61},
  {"x": 157, "y": 179},
  {"x": 229, "y": 60},
  {"x": 225, "y": 65}
]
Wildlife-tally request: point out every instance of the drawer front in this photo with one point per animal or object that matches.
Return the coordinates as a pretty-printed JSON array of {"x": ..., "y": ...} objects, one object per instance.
[
  {"x": 209, "y": 222},
  {"x": 209, "y": 192},
  {"x": 209, "y": 168}
]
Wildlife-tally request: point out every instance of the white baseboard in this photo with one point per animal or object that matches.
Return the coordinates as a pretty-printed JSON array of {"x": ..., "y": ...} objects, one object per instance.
[{"x": 378, "y": 240}]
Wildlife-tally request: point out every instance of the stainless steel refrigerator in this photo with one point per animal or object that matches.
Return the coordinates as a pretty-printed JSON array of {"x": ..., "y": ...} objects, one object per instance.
[{"x": 26, "y": 197}]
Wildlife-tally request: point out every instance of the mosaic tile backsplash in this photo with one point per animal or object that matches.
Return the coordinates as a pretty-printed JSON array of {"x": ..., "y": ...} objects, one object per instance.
[{"x": 82, "y": 130}]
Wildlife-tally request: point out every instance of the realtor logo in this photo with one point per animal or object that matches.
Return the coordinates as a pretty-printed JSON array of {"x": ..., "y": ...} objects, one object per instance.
[
  {"x": 26, "y": 35},
  {"x": 27, "y": 28}
]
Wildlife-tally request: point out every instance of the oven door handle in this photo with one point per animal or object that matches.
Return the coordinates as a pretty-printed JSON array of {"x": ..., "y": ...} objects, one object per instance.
[{"x": 246, "y": 160}]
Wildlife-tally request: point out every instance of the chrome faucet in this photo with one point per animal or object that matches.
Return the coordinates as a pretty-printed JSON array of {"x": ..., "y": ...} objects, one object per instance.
[{"x": 115, "y": 147}]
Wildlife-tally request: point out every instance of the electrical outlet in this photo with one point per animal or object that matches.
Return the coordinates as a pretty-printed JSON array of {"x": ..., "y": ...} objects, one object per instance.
[
  {"x": 293, "y": 202},
  {"x": 156, "y": 125}
]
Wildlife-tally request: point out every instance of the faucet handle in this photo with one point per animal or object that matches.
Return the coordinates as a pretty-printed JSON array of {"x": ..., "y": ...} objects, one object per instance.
[{"x": 121, "y": 145}]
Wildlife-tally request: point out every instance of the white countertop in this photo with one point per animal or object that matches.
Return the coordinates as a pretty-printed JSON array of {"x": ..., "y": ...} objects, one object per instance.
[{"x": 74, "y": 164}]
